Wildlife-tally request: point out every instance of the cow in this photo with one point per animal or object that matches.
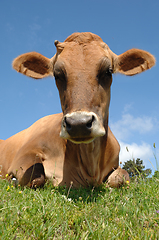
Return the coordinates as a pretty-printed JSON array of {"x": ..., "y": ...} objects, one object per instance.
[{"x": 76, "y": 146}]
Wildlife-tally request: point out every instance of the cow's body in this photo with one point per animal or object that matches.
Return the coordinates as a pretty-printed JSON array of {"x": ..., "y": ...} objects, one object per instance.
[
  {"x": 63, "y": 160},
  {"x": 77, "y": 145}
]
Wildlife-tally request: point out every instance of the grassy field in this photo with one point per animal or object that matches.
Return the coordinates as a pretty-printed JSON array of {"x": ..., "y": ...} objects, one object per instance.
[{"x": 131, "y": 212}]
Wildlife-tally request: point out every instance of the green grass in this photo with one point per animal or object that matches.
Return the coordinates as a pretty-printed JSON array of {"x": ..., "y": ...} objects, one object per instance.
[{"x": 130, "y": 212}]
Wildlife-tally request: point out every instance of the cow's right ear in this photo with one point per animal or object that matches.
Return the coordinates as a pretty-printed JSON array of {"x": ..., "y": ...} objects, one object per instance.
[
  {"x": 134, "y": 61},
  {"x": 33, "y": 65}
]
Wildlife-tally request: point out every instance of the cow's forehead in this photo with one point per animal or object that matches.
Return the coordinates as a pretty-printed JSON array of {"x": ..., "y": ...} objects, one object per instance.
[{"x": 85, "y": 56}]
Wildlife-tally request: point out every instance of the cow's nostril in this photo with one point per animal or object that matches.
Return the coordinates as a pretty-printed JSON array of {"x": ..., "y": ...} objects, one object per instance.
[
  {"x": 66, "y": 124},
  {"x": 89, "y": 123}
]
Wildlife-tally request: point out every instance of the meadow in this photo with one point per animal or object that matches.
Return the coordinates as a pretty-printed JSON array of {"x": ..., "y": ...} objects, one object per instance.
[{"x": 131, "y": 212}]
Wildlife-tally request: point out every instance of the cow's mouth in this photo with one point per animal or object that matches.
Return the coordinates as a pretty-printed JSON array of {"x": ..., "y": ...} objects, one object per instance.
[{"x": 81, "y": 140}]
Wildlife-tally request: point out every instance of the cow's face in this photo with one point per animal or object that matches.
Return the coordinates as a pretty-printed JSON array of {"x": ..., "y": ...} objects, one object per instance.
[
  {"x": 83, "y": 67},
  {"x": 83, "y": 75}
]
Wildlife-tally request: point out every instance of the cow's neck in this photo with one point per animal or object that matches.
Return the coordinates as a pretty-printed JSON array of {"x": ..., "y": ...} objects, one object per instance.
[{"x": 90, "y": 160}]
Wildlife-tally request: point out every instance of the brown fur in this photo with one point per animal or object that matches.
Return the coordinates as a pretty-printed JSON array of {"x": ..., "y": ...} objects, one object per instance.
[
  {"x": 87, "y": 153},
  {"x": 82, "y": 38}
]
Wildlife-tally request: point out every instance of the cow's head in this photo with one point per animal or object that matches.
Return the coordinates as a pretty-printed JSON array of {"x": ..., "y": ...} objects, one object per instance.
[{"x": 83, "y": 67}]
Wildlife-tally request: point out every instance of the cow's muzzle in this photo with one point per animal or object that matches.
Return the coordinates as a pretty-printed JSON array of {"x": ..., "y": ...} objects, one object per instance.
[{"x": 81, "y": 127}]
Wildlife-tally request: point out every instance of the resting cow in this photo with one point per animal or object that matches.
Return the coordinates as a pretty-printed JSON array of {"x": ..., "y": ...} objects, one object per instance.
[{"x": 75, "y": 146}]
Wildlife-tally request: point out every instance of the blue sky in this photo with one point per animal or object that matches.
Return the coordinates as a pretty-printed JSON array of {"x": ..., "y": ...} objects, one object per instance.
[{"x": 34, "y": 25}]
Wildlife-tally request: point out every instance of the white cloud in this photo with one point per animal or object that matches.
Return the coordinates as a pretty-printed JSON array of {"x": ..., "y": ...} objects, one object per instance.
[
  {"x": 132, "y": 151},
  {"x": 129, "y": 128},
  {"x": 156, "y": 159},
  {"x": 127, "y": 107},
  {"x": 128, "y": 125}
]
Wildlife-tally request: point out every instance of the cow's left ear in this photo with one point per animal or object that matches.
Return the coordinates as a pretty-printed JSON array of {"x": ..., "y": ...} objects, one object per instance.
[
  {"x": 33, "y": 65},
  {"x": 134, "y": 61}
]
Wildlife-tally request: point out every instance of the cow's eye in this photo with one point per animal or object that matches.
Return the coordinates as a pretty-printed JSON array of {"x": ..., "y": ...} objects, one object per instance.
[
  {"x": 105, "y": 74},
  {"x": 59, "y": 75},
  {"x": 109, "y": 72}
]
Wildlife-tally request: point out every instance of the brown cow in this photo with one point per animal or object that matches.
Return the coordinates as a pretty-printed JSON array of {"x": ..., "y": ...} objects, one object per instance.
[{"x": 75, "y": 146}]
